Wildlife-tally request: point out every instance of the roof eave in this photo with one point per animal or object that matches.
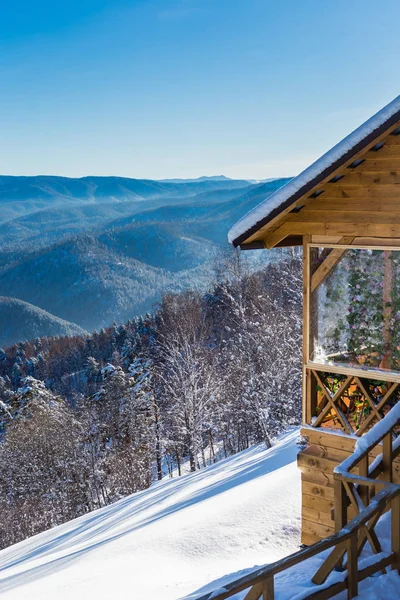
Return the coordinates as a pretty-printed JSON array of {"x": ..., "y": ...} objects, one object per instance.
[{"x": 320, "y": 177}]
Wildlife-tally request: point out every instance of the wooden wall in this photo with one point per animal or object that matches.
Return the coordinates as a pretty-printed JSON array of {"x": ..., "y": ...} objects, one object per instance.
[{"x": 323, "y": 453}]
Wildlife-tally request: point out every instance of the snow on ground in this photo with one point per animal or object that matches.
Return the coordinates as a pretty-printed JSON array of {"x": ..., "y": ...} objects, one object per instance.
[
  {"x": 170, "y": 540},
  {"x": 296, "y": 584}
]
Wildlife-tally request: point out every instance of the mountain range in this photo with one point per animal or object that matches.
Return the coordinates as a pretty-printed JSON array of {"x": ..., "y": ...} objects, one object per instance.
[{"x": 95, "y": 250}]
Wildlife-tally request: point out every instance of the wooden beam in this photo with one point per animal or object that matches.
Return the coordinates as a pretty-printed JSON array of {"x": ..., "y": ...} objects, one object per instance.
[
  {"x": 274, "y": 238},
  {"x": 344, "y": 189},
  {"x": 335, "y": 228},
  {"x": 372, "y": 177},
  {"x": 347, "y": 216},
  {"x": 328, "y": 264}
]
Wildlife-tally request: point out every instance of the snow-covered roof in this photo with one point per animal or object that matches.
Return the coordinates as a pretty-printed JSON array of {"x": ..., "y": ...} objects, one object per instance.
[{"x": 297, "y": 187}]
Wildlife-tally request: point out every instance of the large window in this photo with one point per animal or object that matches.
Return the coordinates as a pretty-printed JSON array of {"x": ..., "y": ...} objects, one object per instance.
[{"x": 355, "y": 309}]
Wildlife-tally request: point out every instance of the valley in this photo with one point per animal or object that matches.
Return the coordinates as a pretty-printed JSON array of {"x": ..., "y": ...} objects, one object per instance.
[{"x": 96, "y": 250}]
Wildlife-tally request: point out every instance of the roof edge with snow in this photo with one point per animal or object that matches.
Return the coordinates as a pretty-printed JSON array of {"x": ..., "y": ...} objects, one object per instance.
[{"x": 274, "y": 205}]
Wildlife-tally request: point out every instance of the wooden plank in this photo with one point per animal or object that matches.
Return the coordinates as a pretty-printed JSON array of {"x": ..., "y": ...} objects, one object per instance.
[
  {"x": 340, "y": 505},
  {"x": 353, "y": 204},
  {"x": 346, "y": 216},
  {"x": 317, "y": 530},
  {"x": 388, "y": 151},
  {"x": 372, "y": 177},
  {"x": 329, "y": 439},
  {"x": 342, "y": 189},
  {"x": 308, "y": 539},
  {"x": 325, "y": 452},
  {"x": 352, "y": 567},
  {"x": 272, "y": 239},
  {"x": 316, "y": 476},
  {"x": 315, "y": 462},
  {"x": 268, "y": 591},
  {"x": 392, "y": 140},
  {"x": 328, "y": 264},
  {"x": 372, "y": 165},
  {"x": 336, "y": 204},
  {"x": 317, "y": 490},
  {"x": 334, "y": 558},
  {"x": 381, "y": 375},
  {"x": 317, "y": 503},
  {"x": 342, "y": 229},
  {"x": 314, "y": 516},
  {"x": 387, "y": 461},
  {"x": 395, "y": 532},
  {"x": 255, "y": 592}
]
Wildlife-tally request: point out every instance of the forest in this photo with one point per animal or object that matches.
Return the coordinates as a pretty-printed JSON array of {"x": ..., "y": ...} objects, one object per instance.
[{"x": 86, "y": 420}]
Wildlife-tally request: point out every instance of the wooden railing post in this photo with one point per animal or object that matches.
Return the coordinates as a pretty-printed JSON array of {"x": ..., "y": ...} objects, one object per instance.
[
  {"x": 340, "y": 505},
  {"x": 395, "y": 504},
  {"x": 387, "y": 457},
  {"x": 363, "y": 472},
  {"x": 268, "y": 591},
  {"x": 352, "y": 566}
]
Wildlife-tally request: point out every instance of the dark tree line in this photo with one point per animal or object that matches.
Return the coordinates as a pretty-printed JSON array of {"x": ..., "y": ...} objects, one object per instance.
[{"x": 86, "y": 421}]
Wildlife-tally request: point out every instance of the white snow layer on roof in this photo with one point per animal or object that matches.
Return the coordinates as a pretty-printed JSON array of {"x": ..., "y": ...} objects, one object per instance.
[{"x": 285, "y": 192}]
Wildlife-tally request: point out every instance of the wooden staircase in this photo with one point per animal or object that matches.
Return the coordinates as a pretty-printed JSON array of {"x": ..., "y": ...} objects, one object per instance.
[{"x": 364, "y": 490}]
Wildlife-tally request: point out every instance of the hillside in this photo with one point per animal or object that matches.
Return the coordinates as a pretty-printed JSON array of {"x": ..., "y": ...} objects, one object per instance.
[
  {"x": 22, "y": 321},
  {"x": 97, "y": 250},
  {"x": 167, "y": 541},
  {"x": 182, "y": 538}
]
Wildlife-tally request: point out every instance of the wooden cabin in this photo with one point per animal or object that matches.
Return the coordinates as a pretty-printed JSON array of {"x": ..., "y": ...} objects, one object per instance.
[{"x": 344, "y": 210}]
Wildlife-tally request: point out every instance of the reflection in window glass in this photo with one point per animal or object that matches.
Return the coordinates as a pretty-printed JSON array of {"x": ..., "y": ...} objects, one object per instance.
[{"x": 355, "y": 312}]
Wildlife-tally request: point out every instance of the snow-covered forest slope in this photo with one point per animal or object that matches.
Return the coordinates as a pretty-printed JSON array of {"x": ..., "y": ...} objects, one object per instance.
[
  {"x": 167, "y": 541},
  {"x": 87, "y": 420},
  {"x": 101, "y": 249}
]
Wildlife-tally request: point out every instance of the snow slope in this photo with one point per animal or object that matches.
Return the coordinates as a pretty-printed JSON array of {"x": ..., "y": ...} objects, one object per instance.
[{"x": 170, "y": 540}]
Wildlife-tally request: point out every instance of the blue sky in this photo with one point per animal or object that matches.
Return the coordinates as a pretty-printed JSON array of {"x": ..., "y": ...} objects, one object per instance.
[{"x": 183, "y": 88}]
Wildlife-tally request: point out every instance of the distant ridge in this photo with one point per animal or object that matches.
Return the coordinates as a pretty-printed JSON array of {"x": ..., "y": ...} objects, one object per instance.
[
  {"x": 22, "y": 321},
  {"x": 204, "y": 178}
]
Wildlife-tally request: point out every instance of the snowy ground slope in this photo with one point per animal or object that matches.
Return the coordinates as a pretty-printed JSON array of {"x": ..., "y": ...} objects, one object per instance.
[
  {"x": 296, "y": 583},
  {"x": 170, "y": 540}
]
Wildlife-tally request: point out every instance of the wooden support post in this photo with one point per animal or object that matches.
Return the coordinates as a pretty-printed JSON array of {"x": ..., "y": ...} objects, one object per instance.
[
  {"x": 268, "y": 591},
  {"x": 306, "y": 324},
  {"x": 256, "y": 592},
  {"x": 311, "y": 397},
  {"x": 387, "y": 457},
  {"x": 352, "y": 567},
  {"x": 329, "y": 263},
  {"x": 340, "y": 505},
  {"x": 386, "y": 362},
  {"x": 363, "y": 490},
  {"x": 396, "y": 532}
]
